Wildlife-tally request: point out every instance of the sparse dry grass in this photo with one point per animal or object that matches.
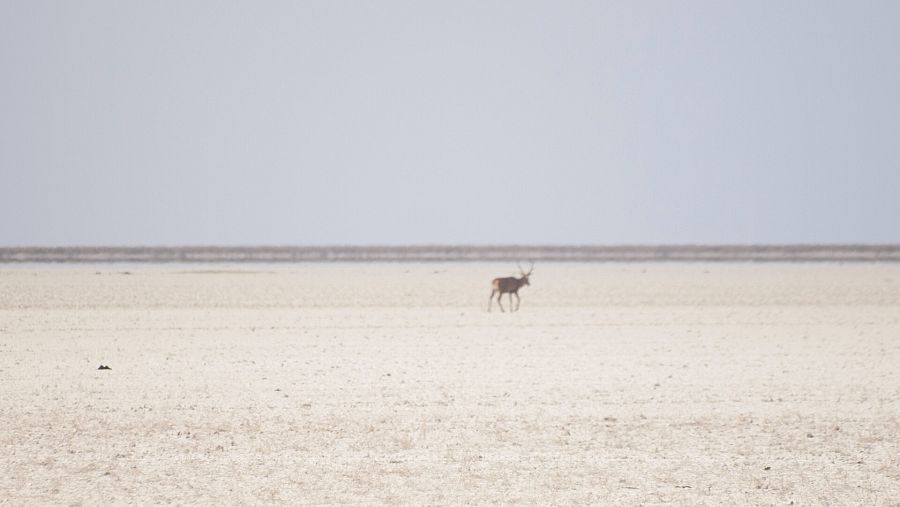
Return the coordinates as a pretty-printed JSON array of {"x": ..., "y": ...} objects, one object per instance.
[{"x": 390, "y": 384}]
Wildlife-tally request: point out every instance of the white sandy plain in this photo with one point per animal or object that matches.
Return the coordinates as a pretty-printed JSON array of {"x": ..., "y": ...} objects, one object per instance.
[{"x": 372, "y": 384}]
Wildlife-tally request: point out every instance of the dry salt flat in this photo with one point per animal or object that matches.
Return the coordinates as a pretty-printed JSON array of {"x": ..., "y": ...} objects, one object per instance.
[{"x": 381, "y": 384}]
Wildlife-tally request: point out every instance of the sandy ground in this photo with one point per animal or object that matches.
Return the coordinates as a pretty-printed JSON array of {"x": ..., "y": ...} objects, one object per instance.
[{"x": 625, "y": 384}]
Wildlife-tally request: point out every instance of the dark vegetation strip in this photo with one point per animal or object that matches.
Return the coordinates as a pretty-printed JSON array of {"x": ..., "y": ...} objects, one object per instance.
[{"x": 438, "y": 253}]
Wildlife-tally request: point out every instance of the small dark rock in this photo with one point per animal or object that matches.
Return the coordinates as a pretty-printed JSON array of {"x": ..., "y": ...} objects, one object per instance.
[
  {"x": 104, "y": 367},
  {"x": 767, "y": 468}
]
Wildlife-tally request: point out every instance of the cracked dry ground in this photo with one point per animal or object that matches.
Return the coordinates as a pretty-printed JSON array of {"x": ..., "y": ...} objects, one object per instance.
[{"x": 391, "y": 384}]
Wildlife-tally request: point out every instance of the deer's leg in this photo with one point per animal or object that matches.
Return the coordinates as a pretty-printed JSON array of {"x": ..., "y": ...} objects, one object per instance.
[
  {"x": 510, "y": 302},
  {"x": 518, "y": 301},
  {"x": 500, "y": 301},
  {"x": 492, "y": 299}
]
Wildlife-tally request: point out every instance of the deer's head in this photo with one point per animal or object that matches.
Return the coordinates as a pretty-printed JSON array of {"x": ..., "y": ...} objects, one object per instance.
[{"x": 524, "y": 278}]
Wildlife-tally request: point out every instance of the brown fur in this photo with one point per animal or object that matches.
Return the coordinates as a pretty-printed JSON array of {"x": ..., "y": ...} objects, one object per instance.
[{"x": 508, "y": 285}]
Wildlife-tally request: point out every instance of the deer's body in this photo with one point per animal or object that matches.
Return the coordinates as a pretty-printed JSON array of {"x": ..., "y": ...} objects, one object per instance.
[{"x": 508, "y": 285}]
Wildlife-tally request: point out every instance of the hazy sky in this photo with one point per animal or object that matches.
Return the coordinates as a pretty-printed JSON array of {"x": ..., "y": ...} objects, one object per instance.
[{"x": 266, "y": 122}]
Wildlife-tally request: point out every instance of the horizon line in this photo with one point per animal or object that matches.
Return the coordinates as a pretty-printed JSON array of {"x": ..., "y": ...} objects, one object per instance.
[
  {"x": 853, "y": 244},
  {"x": 455, "y": 253}
]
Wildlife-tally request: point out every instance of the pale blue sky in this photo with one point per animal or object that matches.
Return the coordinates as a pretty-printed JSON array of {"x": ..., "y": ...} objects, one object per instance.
[{"x": 240, "y": 123}]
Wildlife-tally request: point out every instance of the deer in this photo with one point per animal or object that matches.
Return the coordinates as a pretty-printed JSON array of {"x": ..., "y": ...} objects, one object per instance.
[{"x": 509, "y": 285}]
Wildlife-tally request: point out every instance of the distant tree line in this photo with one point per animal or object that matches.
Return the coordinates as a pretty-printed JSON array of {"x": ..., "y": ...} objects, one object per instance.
[{"x": 441, "y": 253}]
